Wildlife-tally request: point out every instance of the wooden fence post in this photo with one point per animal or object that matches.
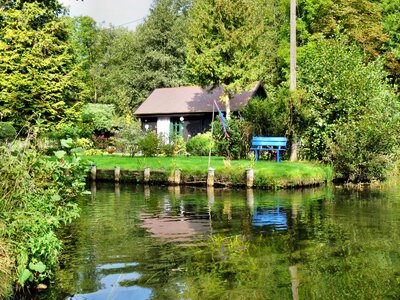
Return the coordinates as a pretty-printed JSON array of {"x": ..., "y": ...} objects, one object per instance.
[
  {"x": 146, "y": 175},
  {"x": 117, "y": 173},
  {"x": 177, "y": 177},
  {"x": 210, "y": 177},
  {"x": 93, "y": 173},
  {"x": 250, "y": 177}
]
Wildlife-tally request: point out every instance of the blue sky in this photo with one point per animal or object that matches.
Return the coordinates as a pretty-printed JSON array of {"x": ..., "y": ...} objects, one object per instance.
[{"x": 115, "y": 12}]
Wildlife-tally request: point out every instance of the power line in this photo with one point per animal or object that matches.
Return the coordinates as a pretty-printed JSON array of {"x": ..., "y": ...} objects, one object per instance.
[
  {"x": 127, "y": 23},
  {"x": 134, "y": 21}
]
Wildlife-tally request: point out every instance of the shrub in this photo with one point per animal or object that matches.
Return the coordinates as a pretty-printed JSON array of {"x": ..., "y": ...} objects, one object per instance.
[
  {"x": 179, "y": 145},
  {"x": 200, "y": 144},
  {"x": 84, "y": 143},
  {"x": 128, "y": 137},
  {"x": 364, "y": 151},
  {"x": 7, "y": 131},
  {"x": 93, "y": 152},
  {"x": 150, "y": 144},
  {"x": 36, "y": 198},
  {"x": 99, "y": 116},
  {"x": 237, "y": 145}
]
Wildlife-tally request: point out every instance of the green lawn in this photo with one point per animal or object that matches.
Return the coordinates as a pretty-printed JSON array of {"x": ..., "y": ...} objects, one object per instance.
[{"x": 266, "y": 172}]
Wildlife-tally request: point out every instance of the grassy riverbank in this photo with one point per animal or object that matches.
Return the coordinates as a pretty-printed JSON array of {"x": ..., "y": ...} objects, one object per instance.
[{"x": 268, "y": 174}]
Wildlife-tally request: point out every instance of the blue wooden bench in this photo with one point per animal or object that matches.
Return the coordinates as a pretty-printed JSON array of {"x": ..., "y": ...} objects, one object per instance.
[{"x": 262, "y": 143}]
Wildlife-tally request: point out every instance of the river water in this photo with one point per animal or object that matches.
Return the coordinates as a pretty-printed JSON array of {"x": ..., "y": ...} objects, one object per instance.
[{"x": 135, "y": 242}]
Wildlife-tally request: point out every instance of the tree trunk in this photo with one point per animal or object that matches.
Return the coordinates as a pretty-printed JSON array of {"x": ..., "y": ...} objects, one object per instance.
[
  {"x": 293, "y": 151},
  {"x": 228, "y": 107}
]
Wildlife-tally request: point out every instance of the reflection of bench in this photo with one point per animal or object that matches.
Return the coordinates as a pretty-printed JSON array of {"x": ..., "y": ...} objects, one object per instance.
[
  {"x": 262, "y": 143},
  {"x": 267, "y": 216}
]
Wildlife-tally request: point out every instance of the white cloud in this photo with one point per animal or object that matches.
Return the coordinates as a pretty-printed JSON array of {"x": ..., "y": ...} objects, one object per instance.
[{"x": 115, "y": 12}]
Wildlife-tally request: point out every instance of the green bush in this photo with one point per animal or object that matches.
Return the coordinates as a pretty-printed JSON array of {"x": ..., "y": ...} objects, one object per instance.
[
  {"x": 99, "y": 116},
  {"x": 150, "y": 144},
  {"x": 36, "y": 198},
  {"x": 7, "y": 131},
  {"x": 237, "y": 145},
  {"x": 200, "y": 144},
  {"x": 128, "y": 137},
  {"x": 351, "y": 114},
  {"x": 364, "y": 151}
]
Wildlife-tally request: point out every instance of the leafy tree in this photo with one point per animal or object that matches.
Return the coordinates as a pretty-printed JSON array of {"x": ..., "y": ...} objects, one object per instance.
[
  {"x": 100, "y": 116},
  {"x": 84, "y": 37},
  {"x": 129, "y": 65},
  {"x": 341, "y": 94},
  {"x": 53, "y": 5},
  {"x": 391, "y": 27},
  {"x": 160, "y": 48},
  {"x": 361, "y": 20},
  {"x": 37, "y": 67},
  {"x": 268, "y": 117},
  {"x": 224, "y": 44},
  {"x": 112, "y": 69}
]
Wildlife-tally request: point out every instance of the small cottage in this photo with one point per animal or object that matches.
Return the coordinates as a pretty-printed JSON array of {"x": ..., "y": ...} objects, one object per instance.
[{"x": 187, "y": 111}]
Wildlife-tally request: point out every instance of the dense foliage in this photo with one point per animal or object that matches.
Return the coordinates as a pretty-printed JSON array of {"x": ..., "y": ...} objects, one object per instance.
[
  {"x": 7, "y": 132},
  {"x": 236, "y": 146},
  {"x": 351, "y": 115},
  {"x": 224, "y": 45},
  {"x": 36, "y": 198},
  {"x": 200, "y": 144},
  {"x": 37, "y": 67}
]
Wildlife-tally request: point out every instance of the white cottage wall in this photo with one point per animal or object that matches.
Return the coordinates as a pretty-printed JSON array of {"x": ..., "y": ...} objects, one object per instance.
[{"x": 163, "y": 126}]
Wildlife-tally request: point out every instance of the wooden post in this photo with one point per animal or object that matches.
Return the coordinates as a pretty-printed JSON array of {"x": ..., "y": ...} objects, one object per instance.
[
  {"x": 250, "y": 177},
  {"x": 117, "y": 173},
  {"x": 210, "y": 177},
  {"x": 146, "y": 175},
  {"x": 93, "y": 173},
  {"x": 177, "y": 177},
  {"x": 210, "y": 195}
]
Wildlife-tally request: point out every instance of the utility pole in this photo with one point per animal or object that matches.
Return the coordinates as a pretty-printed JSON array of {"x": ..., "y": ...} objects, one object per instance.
[
  {"x": 292, "y": 45},
  {"x": 293, "y": 153}
]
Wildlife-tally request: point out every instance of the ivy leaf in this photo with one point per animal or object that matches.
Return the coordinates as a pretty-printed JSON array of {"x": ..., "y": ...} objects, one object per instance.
[
  {"x": 60, "y": 154},
  {"x": 68, "y": 143},
  {"x": 25, "y": 276},
  {"x": 38, "y": 267}
]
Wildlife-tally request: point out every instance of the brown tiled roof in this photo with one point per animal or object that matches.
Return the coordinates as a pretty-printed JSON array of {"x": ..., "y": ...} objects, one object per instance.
[{"x": 190, "y": 99}]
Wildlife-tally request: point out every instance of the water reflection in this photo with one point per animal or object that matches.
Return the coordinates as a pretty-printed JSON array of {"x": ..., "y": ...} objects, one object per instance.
[{"x": 246, "y": 244}]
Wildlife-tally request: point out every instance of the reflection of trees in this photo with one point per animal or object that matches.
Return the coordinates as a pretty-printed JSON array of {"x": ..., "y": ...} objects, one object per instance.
[
  {"x": 349, "y": 248},
  {"x": 344, "y": 245}
]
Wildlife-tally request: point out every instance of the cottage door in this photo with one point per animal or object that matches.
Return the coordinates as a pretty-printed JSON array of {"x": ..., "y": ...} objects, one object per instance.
[{"x": 176, "y": 128}]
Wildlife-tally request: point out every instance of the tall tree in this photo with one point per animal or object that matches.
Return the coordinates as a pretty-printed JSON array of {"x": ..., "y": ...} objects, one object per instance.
[
  {"x": 224, "y": 44},
  {"x": 129, "y": 65},
  {"x": 37, "y": 66},
  {"x": 113, "y": 69},
  {"x": 160, "y": 49}
]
